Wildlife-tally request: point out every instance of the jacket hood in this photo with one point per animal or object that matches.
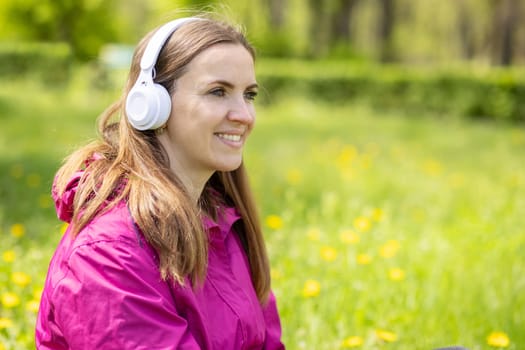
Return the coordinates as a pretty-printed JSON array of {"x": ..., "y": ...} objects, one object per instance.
[{"x": 64, "y": 201}]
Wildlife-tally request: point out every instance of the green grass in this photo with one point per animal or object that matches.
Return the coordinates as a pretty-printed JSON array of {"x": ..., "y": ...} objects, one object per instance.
[
  {"x": 451, "y": 194},
  {"x": 355, "y": 194}
]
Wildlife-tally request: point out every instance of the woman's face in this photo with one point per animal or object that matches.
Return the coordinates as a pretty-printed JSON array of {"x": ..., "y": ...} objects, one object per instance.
[{"x": 212, "y": 111}]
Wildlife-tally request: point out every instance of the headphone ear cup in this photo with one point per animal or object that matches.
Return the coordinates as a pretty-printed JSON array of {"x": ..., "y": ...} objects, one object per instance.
[
  {"x": 148, "y": 106},
  {"x": 164, "y": 109}
]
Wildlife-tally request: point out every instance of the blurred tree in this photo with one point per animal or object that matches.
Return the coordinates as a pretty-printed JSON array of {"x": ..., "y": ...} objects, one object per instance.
[
  {"x": 390, "y": 30},
  {"x": 504, "y": 26},
  {"x": 83, "y": 24},
  {"x": 341, "y": 18},
  {"x": 277, "y": 38},
  {"x": 317, "y": 28},
  {"x": 386, "y": 29},
  {"x": 277, "y": 9},
  {"x": 329, "y": 28},
  {"x": 465, "y": 29}
]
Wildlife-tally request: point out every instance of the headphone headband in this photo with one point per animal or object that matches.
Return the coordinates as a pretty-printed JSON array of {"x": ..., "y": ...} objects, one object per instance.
[{"x": 155, "y": 44}]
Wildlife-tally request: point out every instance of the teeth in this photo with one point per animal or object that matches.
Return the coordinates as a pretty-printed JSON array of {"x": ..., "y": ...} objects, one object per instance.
[{"x": 230, "y": 137}]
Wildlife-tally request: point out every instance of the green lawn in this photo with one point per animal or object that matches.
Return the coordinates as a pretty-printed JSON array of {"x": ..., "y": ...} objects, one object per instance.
[{"x": 386, "y": 230}]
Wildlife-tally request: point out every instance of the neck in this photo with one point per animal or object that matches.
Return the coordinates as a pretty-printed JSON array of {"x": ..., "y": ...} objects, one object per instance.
[
  {"x": 193, "y": 187},
  {"x": 193, "y": 180}
]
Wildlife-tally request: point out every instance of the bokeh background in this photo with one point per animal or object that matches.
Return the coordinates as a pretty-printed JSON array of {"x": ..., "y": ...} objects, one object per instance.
[{"x": 387, "y": 158}]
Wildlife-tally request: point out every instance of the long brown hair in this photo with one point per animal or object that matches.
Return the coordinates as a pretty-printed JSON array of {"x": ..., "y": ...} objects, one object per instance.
[{"x": 131, "y": 165}]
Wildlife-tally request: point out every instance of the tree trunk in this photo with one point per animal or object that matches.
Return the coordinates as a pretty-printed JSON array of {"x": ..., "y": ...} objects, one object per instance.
[
  {"x": 341, "y": 21},
  {"x": 276, "y": 10},
  {"x": 505, "y": 23},
  {"x": 466, "y": 35},
  {"x": 386, "y": 29},
  {"x": 317, "y": 28}
]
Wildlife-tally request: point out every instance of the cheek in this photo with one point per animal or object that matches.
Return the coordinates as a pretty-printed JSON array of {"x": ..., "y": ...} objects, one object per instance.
[
  {"x": 181, "y": 115},
  {"x": 251, "y": 110}
]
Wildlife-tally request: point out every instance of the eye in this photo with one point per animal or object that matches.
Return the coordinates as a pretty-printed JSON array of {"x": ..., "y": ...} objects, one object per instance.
[
  {"x": 250, "y": 95},
  {"x": 219, "y": 92}
]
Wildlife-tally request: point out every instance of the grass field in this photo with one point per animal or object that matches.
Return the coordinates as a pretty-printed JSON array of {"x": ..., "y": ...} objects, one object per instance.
[{"x": 386, "y": 230}]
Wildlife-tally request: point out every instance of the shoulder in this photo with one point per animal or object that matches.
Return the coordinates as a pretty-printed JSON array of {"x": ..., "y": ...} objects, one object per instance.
[
  {"x": 113, "y": 226},
  {"x": 110, "y": 239},
  {"x": 109, "y": 267},
  {"x": 107, "y": 252}
]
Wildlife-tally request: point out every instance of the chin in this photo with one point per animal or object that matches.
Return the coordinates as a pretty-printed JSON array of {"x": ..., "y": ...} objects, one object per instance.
[{"x": 230, "y": 165}]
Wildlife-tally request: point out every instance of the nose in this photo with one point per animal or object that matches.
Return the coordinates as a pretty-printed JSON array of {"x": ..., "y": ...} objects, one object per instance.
[{"x": 242, "y": 111}]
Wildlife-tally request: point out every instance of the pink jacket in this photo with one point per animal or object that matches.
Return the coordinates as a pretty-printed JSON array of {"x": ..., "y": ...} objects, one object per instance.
[{"x": 103, "y": 291}]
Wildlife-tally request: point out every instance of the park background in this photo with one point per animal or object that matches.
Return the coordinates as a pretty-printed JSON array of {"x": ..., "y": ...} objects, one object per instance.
[{"x": 387, "y": 158}]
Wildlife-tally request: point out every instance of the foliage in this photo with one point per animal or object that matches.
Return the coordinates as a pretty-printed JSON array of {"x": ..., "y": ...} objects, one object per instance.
[
  {"x": 85, "y": 25},
  {"x": 49, "y": 62},
  {"x": 419, "y": 31},
  {"x": 462, "y": 91},
  {"x": 385, "y": 230}
]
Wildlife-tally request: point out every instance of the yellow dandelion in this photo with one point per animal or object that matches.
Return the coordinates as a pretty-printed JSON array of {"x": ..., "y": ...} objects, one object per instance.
[
  {"x": 386, "y": 336},
  {"x": 5, "y": 322},
  {"x": 274, "y": 222},
  {"x": 396, "y": 274},
  {"x": 10, "y": 300},
  {"x": 37, "y": 293},
  {"x": 377, "y": 214},
  {"x": 363, "y": 259},
  {"x": 275, "y": 274},
  {"x": 328, "y": 254},
  {"x": 498, "y": 339},
  {"x": 362, "y": 224},
  {"x": 33, "y": 180},
  {"x": 389, "y": 249},
  {"x": 313, "y": 234},
  {"x": 17, "y": 171},
  {"x": 311, "y": 288},
  {"x": 8, "y": 256},
  {"x": 33, "y": 305},
  {"x": 432, "y": 167},
  {"x": 294, "y": 176},
  {"x": 20, "y": 279},
  {"x": 349, "y": 237},
  {"x": 346, "y": 156},
  {"x": 18, "y": 230},
  {"x": 63, "y": 228},
  {"x": 352, "y": 342}
]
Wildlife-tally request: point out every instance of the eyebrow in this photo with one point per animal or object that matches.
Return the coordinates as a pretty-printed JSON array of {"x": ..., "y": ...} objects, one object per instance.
[{"x": 230, "y": 85}]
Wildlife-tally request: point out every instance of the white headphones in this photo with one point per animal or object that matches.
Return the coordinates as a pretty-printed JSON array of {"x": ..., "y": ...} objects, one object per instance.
[{"x": 148, "y": 104}]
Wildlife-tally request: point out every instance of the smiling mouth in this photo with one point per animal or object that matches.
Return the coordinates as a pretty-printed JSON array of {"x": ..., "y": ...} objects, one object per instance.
[{"x": 229, "y": 137}]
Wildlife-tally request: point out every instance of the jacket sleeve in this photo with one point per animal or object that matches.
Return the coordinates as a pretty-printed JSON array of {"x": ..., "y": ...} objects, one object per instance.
[
  {"x": 112, "y": 297},
  {"x": 273, "y": 325}
]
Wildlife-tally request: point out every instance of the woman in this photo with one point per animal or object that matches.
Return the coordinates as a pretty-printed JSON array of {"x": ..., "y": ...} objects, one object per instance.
[{"x": 164, "y": 249}]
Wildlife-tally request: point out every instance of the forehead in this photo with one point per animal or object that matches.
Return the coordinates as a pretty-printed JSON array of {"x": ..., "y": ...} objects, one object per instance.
[{"x": 224, "y": 61}]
